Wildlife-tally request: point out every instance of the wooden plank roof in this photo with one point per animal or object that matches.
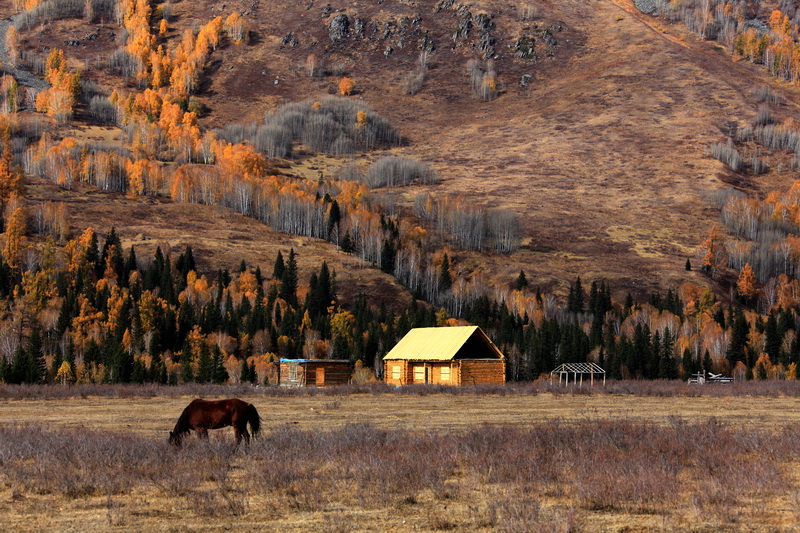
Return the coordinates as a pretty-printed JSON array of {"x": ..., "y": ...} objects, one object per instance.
[{"x": 438, "y": 344}]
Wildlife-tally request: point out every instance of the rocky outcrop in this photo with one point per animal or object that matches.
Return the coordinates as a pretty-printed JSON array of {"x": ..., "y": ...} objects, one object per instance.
[{"x": 339, "y": 28}]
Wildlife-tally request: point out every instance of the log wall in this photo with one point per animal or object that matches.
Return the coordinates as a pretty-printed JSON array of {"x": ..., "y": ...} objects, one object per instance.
[
  {"x": 304, "y": 373},
  {"x": 483, "y": 371}
]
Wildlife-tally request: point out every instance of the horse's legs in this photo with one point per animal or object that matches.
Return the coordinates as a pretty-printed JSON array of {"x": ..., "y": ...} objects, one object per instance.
[
  {"x": 202, "y": 433},
  {"x": 241, "y": 433}
]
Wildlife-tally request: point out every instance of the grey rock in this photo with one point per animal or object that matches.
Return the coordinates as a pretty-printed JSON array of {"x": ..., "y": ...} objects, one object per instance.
[
  {"x": 290, "y": 40},
  {"x": 339, "y": 27}
]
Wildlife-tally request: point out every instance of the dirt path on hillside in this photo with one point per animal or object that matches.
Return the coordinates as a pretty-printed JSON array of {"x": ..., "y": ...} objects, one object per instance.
[{"x": 739, "y": 75}]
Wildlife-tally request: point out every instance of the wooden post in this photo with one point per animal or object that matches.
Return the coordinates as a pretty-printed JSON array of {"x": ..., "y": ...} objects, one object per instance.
[{"x": 591, "y": 379}]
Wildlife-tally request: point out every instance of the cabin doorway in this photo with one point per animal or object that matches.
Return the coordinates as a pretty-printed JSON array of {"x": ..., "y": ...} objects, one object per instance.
[
  {"x": 421, "y": 374},
  {"x": 320, "y": 377}
]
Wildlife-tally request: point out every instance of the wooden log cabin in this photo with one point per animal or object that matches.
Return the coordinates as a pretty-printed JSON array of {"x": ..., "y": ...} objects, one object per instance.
[
  {"x": 314, "y": 372},
  {"x": 445, "y": 356}
]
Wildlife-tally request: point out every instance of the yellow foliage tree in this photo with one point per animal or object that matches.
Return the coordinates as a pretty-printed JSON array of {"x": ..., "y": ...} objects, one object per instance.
[
  {"x": 64, "y": 374},
  {"x": 346, "y": 86},
  {"x": 15, "y": 232},
  {"x": 746, "y": 285}
]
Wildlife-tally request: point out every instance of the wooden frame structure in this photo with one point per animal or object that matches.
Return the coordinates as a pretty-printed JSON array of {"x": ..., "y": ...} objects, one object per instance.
[{"x": 578, "y": 370}]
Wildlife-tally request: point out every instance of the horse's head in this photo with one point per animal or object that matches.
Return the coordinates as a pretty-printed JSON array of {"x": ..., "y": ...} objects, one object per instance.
[{"x": 175, "y": 438}]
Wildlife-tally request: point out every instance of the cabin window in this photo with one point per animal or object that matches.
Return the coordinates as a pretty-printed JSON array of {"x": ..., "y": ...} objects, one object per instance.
[
  {"x": 445, "y": 375},
  {"x": 419, "y": 374},
  {"x": 396, "y": 372},
  {"x": 293, "y": 373}
]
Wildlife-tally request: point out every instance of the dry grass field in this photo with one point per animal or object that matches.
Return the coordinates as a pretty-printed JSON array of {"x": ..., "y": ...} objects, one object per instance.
[{"x": 407, "y": 462}]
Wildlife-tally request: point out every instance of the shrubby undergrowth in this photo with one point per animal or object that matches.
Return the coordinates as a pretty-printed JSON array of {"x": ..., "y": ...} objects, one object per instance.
[
  {"x": 331, "y": 125},
  {"x": 718, "y": 474},
  {"x": 661, "y": 388}
]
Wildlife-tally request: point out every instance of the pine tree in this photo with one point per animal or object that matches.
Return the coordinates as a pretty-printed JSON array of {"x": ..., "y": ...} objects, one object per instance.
[
  {"x": 668, "y": 368},
  {"x": 185, "y": 263},
  {"x": 575, "y": 297},
  {"x": 130, "y": 264},
  {"x": 35, "y": 366},
  {"x": 347, "y": 245},
  {"x": 688, "y": 364},
  {"x": 279, "y": 267},
  {"x": 187, "y": 372},
  {"x": 388, "y": 254},
  {"x": 522, "y": 280},
  {"x": 774, "y": 338},
  {"x": 205, "y": 365},
  {"x": 19, "y": 362},
  {"x": 220, "y": 375},
  {"x": 244, "y": 374},
  {"x": 740, "y": 329},
  {"x": 334, "y": 219},
  {"x": 445, "y": 280},
  {"x": 288, "y": 289}
]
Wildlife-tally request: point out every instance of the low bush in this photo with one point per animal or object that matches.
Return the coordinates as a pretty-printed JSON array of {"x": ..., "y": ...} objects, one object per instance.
[
  {"x": 393, "y": 171},
  {"x": 332, "y": 125}
]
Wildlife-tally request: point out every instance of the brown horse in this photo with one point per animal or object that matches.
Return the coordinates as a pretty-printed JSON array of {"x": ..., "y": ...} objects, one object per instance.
[{"x": 202, "y": 415}]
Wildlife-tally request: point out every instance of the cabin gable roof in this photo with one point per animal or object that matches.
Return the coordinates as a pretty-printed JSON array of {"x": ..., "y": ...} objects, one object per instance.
[{"x": 445, "y": 344}]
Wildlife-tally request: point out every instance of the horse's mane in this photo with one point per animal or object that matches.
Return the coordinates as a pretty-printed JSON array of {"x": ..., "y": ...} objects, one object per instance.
[{"x": 182, "y": 425}]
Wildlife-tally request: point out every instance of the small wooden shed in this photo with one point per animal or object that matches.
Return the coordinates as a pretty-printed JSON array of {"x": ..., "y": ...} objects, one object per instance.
[
  {"x": 445, "y": 356},
  {"x": 314, "y": 372}
]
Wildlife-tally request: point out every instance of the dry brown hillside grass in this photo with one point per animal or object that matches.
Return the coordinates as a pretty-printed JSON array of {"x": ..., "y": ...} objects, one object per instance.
[{"x": 604, "y": 156}]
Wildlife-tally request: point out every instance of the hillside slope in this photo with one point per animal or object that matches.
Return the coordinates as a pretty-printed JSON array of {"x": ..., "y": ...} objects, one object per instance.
[{"x": 603, "y": 154}]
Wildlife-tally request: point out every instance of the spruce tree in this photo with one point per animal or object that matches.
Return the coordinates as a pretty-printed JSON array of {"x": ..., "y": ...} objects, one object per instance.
[
  {"x": 774, "y": 338},
  {"x": 445, "y": 280},
  {"x": 522, "y": 280},
  {"x": 19, "y": 364},
  {"x": 187, "y": 372},
  {"x": 130, "y": 264},
  {"x": 334, "y": 218},
  {"x": 220, "y": 375},
  {"x": 288, "y": 289},
  {"x": 388, "y": 254},
  {"x": 205, "y": 365},
  {"x": 575, "y": 297},
  {"x": 668, "y": 368},
  {"x": 688, "y": 364},
  {"x": 244, "y": 373},
  {"x": 35, "y": 366},
  {"x": 279, "y": 267}
]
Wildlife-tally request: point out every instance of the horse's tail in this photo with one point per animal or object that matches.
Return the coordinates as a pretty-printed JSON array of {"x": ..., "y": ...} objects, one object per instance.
[{"x": 254, "y": 418}]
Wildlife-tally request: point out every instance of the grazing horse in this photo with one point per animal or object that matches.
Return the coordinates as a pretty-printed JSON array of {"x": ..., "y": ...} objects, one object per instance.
[{"x": 202, "y": 415}]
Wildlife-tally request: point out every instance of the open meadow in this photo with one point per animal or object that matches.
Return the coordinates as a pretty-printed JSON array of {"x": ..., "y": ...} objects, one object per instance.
[{"x": 526, "y": 458}]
